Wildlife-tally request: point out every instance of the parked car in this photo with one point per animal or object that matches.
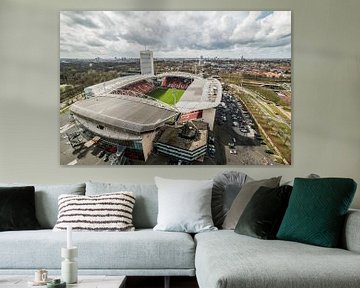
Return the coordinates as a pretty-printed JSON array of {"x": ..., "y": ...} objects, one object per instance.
[
  {"x": 233, "y": 151},
  {"x": 106, "y": 157},
  {"x": 101, "y": 154}
]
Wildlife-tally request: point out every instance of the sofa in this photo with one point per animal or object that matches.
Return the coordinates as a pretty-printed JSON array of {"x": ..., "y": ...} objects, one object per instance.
[{"x": 218, "y": 259}]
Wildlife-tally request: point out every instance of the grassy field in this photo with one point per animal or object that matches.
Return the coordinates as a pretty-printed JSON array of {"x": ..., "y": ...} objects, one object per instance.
[
  {"x": 267, "y": 94},
  {"x": 65, "y": 87},
  {"x": 167, "y": 95}
]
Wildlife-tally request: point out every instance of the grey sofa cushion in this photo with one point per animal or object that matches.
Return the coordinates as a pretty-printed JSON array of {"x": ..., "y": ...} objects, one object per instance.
[
  {"x": 225, "y": 259},
  {"x": 310, "y": 176},
  {"x": 137, "y": 250},
  {"x": 225, "y": 189},
  {"x": 46, "y": 200},
  {"x": 243, "y": 198},
  {"x": 351, "y": 235},
  {"x": 146, "y": 204}
]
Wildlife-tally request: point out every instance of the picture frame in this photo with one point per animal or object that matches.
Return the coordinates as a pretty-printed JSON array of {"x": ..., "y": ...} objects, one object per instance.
[{"x": 175, "y": 88}]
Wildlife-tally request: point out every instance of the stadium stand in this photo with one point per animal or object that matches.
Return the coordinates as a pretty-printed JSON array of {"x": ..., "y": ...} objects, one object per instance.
[
  {"x": 176, "y": 82},
  {"x": 143, "y": 87}
]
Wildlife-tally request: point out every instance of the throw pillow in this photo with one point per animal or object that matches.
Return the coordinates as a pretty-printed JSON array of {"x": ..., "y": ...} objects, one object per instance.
[
  {"x": 263, "y": 215},
  {"x": 146, "y": 205},
  {"x": 243, "y": 198},
  {"x": 317, "y": 209},
  {"x": 311, "y": 175},
  {"x": 106, "y": 212},
  {"x": 46, "y": 200},
  {"x": 17, "y": 208},
  {"x": 184, "y": 205},
  {"x": 226, "y": 187}
]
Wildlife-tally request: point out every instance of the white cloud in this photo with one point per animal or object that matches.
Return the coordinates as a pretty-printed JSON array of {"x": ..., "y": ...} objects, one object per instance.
[{"x": 254, "y": 34}]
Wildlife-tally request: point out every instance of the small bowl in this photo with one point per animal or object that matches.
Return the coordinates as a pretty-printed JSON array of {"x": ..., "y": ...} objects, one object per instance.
[{"x": 56, "y": 283}]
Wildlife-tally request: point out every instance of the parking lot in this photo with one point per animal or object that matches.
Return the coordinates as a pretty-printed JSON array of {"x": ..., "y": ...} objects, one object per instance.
[
  {"x": 75, "y": 150},
  {"x": 236, "y": 140}
]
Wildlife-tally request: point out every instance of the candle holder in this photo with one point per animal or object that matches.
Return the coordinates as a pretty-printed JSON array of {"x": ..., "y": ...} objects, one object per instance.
[{"x": 68, "y": 265}]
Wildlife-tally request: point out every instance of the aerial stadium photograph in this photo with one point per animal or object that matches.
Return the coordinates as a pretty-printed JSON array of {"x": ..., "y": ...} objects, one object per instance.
[{"x": 175, "y": 88}]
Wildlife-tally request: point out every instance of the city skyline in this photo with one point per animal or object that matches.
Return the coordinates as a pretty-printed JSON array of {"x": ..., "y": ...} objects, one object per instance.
[{"x": 175, "y": 34}]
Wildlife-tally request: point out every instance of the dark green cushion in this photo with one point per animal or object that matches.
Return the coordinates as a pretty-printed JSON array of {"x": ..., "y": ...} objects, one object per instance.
[
  {"x": 316, "y": 211},
  {"x": 17, "y": 208},
  {"x": 263, "y": 214}
]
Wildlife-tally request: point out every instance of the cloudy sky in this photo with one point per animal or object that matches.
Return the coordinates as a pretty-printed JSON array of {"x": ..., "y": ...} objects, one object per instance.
[{"x": 108, "y": 34}]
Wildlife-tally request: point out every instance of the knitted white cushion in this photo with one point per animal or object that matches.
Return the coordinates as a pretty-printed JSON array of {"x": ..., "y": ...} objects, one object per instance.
[
  {"x": 105, "y": 212},
  {"x": 184, "y": 205}
]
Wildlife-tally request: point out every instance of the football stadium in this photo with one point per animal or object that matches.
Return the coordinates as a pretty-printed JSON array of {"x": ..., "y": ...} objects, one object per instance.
[{"x": 134, "y": 113}]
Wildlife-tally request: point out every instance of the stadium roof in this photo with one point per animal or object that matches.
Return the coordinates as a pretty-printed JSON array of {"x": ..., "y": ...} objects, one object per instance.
[
  {"x": 201, "y": 94},
  {"x": 133, "y": 114},
  {"x": 179, "y": 74},
  {"x": 111, "y": 85}
]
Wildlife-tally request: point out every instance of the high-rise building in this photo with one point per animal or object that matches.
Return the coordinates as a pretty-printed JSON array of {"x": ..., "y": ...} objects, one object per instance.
[
  {"x": 146, "y": 62},
  {"x": 201, "y": 60}
]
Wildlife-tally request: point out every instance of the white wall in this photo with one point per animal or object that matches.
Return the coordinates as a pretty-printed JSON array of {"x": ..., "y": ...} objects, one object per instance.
[{"x": 326, "y": 83}]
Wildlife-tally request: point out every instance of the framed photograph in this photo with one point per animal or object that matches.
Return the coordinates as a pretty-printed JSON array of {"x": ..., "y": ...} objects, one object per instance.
[{"x": 175, "y": 88}]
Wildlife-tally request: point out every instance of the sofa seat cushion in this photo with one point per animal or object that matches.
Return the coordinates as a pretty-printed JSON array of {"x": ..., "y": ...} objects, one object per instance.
[
  {"x": 142, "y": 249},
  {"x": 225, "y": 259}
]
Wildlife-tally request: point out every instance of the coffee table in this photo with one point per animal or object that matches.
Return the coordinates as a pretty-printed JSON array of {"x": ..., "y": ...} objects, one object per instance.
[{"x": 83, "y": 282}]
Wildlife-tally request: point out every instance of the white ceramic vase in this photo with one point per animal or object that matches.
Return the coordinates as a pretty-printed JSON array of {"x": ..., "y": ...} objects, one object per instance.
[{"x": 69, "y": 270}]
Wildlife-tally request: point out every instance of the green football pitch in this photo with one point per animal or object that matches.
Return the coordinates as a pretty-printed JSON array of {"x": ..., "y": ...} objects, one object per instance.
[{"x": 167, "y": 95}]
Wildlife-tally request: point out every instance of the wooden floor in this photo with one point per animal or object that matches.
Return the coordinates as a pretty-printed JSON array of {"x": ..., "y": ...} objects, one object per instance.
[{"x": 158, "y": 282}]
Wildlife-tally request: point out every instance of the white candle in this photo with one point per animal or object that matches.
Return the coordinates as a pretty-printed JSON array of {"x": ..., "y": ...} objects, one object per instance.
[{"x": 69, "y": 239}]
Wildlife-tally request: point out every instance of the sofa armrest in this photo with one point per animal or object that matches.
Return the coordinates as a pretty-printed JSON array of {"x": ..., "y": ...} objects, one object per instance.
[{"x": 351, "y": 234}]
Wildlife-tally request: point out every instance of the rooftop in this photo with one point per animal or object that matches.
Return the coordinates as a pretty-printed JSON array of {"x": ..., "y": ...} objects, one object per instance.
[
  {"x": 129, "y": 113},
  {"x": 201, "y": 94},
  {"x": 170, "y": 137}
]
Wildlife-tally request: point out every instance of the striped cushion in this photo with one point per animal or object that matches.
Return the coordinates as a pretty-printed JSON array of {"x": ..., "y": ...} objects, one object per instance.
[{"x": 105, "y": 212}]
